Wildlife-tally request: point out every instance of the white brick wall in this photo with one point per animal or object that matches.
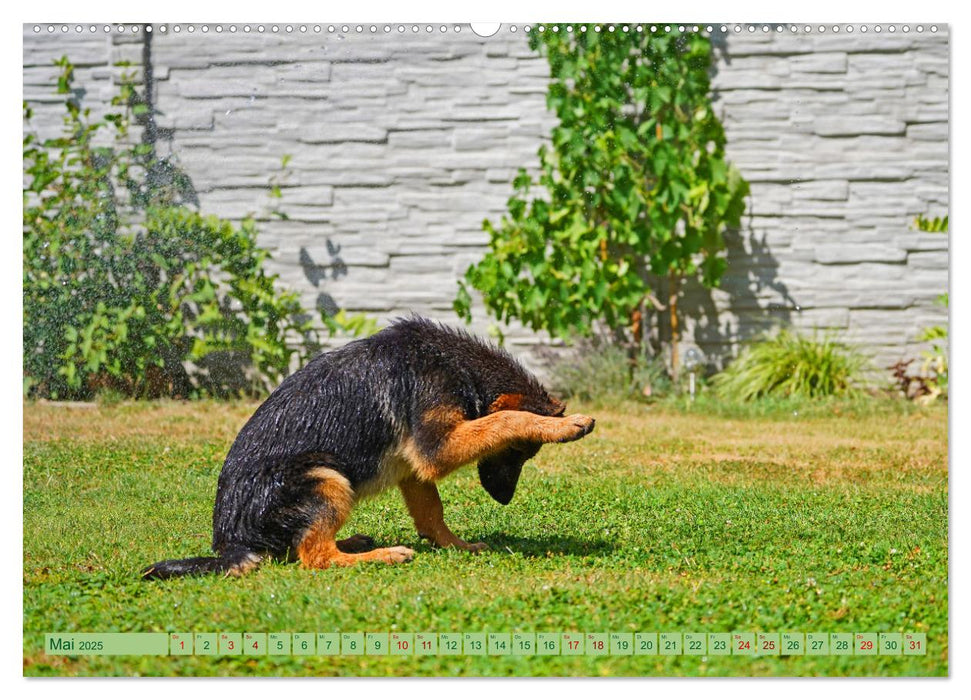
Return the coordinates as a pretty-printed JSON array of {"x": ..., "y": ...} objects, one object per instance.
[{"x": 402, "y": 144}]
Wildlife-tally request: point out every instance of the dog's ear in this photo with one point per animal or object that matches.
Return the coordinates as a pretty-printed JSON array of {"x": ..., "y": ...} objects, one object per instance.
[
  {"x": 499, "y": 473},
  {"x": 507, "y": 402}
]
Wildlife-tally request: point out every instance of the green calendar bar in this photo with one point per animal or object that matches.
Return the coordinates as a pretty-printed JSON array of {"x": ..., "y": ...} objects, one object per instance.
[
  {"x": 891, "y": 644},
  {"x": 743, "y": 644},
  {"x": 278, "y": 644},
  {"x": 669, "y": 643},
  {"x": 474, "y": 643},
  {"x": 303, "y": 643},
  {"x": 500, "y": 644},
  {"x": 841, "y": 643},
  {"x": 915, "y": 644},
  {"x": 426, "y": 644},
  {"x": 230, "y": 643},
  {"x": 328, "y": 644},
  {"x": 768, "y": 644},
  {"x": 865, "y": 644},
  {"x": 719, "y": 644},
  {"x": 254, "y": 644},
  {"x": 352, "y": 644},
  {"x": 695, "y": 644},
  {"x": 793, "y": 644},
  {"x": 497, "y": 644},
  {"x": 402, "y": 644},
  {"x": 523, "y": 644},
  {"x": 571, "y": 644},
  {"x": 206, "y": 643},
  {"x": 621, "y": 643},
  {"x": 375, "y": 644},
  {"x": 645, "y": 644},
  {"x": 597, "y": 643},
  {"x": 548, "y": 643},
  {"x": 180, "y": 644},
  {"x": 107, "y": 644},
  {"x": 450, "y": 643},
  {"x": 817, "y": 644}
]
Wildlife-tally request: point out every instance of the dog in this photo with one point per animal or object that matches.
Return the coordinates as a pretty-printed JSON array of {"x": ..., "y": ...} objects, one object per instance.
[{"x": 405, "y": 407}]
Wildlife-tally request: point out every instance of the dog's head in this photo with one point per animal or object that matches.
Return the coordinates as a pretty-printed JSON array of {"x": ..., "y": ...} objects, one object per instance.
[{"x": 499, "y": 473}]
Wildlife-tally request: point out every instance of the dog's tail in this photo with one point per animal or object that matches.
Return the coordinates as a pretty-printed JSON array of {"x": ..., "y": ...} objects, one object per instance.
[{"x": 232, "y": 561}]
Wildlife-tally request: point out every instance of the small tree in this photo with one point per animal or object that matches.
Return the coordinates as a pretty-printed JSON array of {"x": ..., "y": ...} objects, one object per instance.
[{"x": 636, "y": 189}]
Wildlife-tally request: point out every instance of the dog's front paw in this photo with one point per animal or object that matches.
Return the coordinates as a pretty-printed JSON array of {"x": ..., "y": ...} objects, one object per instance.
[
  {"x": 575, "y": 427},
  {"x": 476, "y": 547}
]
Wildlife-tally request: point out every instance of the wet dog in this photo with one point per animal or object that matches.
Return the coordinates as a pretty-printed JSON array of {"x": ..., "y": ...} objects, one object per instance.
[{"x": 405, "y": 407}]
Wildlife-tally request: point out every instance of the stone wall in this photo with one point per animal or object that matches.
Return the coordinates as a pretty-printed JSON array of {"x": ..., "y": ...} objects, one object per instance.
[
  {"x": 401, "y": 144},
  {"x": 844, "y": 139}
]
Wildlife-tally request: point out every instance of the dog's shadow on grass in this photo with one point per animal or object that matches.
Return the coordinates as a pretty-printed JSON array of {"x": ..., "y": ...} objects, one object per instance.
[{"x": 548, "y": 545}]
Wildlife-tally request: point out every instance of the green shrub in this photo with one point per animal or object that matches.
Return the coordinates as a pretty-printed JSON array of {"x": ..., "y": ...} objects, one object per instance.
[
  {"x": 601, "y": 373},
  {"x": 125, "y": 286},
  {"x": 633, "y": 195},
  {"x": 792, "y": 365}
]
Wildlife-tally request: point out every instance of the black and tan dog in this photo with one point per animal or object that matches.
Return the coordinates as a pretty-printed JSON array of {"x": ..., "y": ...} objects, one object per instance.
[{"x": 405, "y": 407}]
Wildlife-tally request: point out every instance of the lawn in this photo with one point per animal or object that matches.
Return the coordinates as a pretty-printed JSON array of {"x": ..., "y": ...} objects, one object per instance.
[{"x": 664, "y": 519}]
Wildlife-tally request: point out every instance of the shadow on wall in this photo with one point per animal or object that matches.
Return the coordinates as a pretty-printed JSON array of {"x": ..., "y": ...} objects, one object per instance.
[
  {"x": 317, "y": 272},
  {"x": 759, "y": 299},
  {"x": 228, "y": 372},
  {"x": 164, "y": 172}
]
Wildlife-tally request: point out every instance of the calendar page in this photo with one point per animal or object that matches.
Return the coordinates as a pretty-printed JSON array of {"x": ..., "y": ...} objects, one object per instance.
[{"x": 520, "y": 349}]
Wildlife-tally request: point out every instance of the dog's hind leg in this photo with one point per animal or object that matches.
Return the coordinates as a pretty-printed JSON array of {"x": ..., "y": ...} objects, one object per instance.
[
  {"x": 318, "y": 548},
  {"x": 426, "y": 510}
]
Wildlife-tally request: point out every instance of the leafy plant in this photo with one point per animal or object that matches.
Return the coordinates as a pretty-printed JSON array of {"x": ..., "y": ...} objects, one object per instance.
[
  {"x": 125, "y": 285},
  {"x": 792, "y": 365},
  {"x": 934, "y": 367},
  {"x": 354, "y": 325},
  {"x": 601, "y": 373},
  {"x": 634, "y": 190},
  {"x": 937, "y": 224}
]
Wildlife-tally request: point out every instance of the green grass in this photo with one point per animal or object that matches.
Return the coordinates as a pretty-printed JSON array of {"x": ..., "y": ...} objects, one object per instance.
[{"x": 661, "y": 520}]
